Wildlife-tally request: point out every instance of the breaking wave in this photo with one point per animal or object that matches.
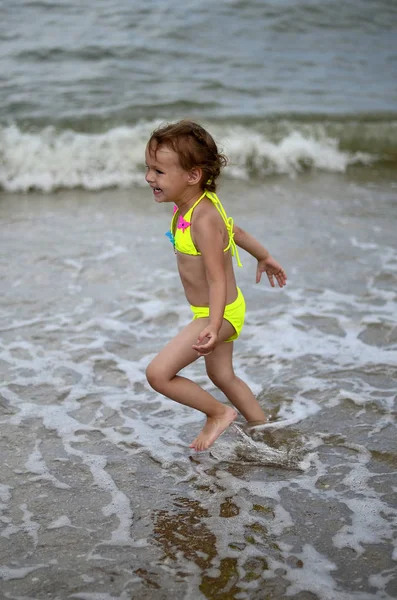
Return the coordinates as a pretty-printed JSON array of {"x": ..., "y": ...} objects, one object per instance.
[{"x": 52, "y": 157}]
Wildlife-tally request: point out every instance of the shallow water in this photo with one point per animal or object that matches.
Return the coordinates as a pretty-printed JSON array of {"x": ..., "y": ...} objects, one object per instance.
[{"x": 101, "y": 497}]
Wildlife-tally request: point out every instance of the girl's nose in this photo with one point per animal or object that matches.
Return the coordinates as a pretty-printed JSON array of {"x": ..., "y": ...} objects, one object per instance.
[{"x": 148, "y": 176}]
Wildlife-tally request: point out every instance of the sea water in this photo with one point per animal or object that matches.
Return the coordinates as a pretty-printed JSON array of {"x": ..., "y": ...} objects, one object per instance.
[
  {"x": 100, "y": 492},
  {"x": 100, "y": 496}
]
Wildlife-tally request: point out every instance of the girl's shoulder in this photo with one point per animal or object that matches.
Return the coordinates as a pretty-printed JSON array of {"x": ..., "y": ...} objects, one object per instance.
[
  {"x": 206, "y": 210},
  {"x": 207, "y": 218}
]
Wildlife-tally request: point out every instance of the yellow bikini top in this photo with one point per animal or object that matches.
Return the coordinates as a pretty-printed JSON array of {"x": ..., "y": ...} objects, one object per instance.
[{"x": 180, "y": 234}]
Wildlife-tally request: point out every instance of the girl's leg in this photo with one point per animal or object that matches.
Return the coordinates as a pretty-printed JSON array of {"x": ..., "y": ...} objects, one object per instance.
[
  {"x": 220, "y": 370},
  {"x": 162, "y": 376}
]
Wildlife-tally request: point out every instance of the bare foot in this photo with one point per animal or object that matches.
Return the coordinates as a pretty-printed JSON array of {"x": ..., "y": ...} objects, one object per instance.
[{"x": 213, "y": 428}]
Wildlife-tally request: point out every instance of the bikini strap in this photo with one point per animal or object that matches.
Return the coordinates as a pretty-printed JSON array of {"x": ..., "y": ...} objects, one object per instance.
[
  {"x": 228, "y": 222},
  {"x": 189, "y": 211},
  {"x": 195, "y": 204}
]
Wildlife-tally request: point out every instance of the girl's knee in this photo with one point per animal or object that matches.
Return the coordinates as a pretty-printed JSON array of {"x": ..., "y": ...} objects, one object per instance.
[
  {"x": 156, "y": 378},
  {"x": 222, "y": 380}
]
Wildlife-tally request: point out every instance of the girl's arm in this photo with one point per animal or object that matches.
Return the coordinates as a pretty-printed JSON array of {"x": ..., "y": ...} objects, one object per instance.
[
  {"x": 208, "y": 237},
  {"x": 266, "y": 263}
]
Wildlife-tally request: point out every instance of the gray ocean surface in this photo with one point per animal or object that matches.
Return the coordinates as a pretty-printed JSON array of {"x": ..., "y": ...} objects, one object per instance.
[
  {"x": 285, "y": 85},
  {"x": 100, "y": 496}
]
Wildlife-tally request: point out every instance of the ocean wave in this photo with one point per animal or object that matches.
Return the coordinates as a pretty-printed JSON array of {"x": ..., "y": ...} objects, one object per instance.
[{"x": 51, "y": 158}]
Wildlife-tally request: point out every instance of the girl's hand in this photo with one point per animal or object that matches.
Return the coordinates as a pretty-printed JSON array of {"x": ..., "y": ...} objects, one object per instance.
[
  {"x": 272, "y": 269},
  {"x": 206, "y": 341}
]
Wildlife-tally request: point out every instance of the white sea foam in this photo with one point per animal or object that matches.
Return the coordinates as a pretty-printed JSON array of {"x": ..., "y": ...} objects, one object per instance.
[
  {"x": 8, "y": 573},
  {"x": 75, "y": 392},
  {"x": 28, "y": 526},
  {"x": 35, "y": 464},
  {"x": 62, "y": 521},
  {"x": 282, "y": 332},
  {"x": 368, "y": 525},
  {"x": 251, "y": 151},
  {"x": 50, "y": 159}
]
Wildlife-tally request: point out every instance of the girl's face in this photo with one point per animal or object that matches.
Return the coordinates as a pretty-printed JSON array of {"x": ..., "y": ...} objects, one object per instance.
[{"x": 165, "y": 176}]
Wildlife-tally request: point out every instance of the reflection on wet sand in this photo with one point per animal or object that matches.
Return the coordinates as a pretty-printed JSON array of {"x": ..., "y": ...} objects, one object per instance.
[{"x": 183, "y": 531}]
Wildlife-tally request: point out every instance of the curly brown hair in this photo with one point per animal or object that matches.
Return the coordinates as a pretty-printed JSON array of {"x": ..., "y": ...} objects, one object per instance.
[{"x": 195, "y": 148}]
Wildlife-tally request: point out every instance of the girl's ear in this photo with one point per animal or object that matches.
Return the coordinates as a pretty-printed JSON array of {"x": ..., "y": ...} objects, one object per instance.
[{"x": 195, "y": 175}]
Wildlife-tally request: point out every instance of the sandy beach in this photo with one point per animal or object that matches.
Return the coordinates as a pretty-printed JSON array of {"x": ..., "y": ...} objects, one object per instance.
[{"x": 101, "y": 498}]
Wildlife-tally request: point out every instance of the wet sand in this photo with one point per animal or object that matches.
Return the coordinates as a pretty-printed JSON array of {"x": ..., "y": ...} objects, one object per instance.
[{"x": 101, "y": 498}]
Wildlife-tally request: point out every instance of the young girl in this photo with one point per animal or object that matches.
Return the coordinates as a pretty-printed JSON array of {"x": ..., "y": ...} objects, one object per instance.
[{"x": 182, "y": 166}]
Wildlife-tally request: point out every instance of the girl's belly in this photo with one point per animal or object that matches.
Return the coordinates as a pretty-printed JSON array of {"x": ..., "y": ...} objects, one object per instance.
[{"x": 194, "y": 280}]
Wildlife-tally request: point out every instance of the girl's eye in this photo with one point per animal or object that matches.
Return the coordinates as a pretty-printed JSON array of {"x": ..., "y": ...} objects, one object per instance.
[{"x": 160, "y": 172}]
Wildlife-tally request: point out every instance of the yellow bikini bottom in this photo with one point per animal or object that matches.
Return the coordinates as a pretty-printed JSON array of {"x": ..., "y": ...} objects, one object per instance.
[{"x": 234, "y": 313}]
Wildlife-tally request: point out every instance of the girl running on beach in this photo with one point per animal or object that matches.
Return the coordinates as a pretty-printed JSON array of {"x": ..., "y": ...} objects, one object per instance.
[{"x": 182, "y": 166}]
